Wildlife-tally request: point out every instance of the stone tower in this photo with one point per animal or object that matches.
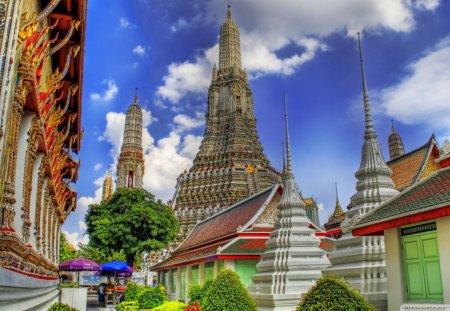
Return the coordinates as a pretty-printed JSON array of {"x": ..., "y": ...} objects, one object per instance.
[
  {"x": 230, "y": 164},
  {"x": 396, "y": 148},
  {"x": 107, "y": 191},
  {"x": 361, "y": 260},
  {"x": 130, "y": 167},
  {"x": 292, "y": 261}
]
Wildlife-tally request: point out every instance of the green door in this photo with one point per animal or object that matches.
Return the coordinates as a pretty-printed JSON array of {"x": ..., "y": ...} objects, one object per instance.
[
  {"x": 209, "y": 270},
  {"x": 246, "y": 269},
  {"x": 194, "y": 275},
  {"x": 182, "y": 283},
  {"x": 422, "y": 266}
]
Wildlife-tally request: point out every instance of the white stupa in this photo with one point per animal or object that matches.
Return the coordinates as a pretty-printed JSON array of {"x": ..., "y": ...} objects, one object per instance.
[{"x": 292, "y": 261}]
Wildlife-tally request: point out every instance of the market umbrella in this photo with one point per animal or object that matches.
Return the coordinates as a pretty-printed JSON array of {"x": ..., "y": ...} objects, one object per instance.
[
  {"x": 79, "y": 264},
  {"x": 116, "y": 266}
]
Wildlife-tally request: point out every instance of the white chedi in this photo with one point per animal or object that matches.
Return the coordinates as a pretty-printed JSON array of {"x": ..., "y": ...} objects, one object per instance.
[{"x": 292, "y": 261}]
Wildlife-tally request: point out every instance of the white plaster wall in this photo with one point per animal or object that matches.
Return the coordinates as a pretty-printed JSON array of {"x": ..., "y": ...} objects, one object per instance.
[
  {"x": 33, "y": 199},
  {"x": 443, "y": 235},
  {"x": 229, "y": 264},
  {"x": 20, "y": 165},
  {"x": 394, "y": 269}
]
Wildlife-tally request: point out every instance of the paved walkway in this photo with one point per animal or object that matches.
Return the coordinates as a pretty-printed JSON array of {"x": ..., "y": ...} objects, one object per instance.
[{"x": 92, "y": 304}]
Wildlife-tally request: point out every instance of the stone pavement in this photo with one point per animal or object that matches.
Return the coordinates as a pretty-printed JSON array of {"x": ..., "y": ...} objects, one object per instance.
[{"x": 92, "y": 304}]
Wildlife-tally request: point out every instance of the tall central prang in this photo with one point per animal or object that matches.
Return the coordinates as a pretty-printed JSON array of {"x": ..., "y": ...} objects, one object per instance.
[{"x": 230, "y": 164}]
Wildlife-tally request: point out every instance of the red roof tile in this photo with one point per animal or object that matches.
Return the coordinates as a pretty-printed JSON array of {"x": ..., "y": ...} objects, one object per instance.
[
  {"x": 226, "y": 222},
  {"x": 433, "y": 191},
  {"x": 181, "y": 257}
]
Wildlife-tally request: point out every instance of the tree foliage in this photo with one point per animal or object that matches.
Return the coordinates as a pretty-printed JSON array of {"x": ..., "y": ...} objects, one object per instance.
[
  {"x": 331, "y": 293},
  {"x": 228, "y": 293},
  {"x": 98, "y": 255},
  {"x": 66, "y": 250},
  {"x": 132, "y": 221}
]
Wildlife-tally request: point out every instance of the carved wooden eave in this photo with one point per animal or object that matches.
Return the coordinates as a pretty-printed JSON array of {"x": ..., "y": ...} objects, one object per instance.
[{"x": 59, "y": 106}]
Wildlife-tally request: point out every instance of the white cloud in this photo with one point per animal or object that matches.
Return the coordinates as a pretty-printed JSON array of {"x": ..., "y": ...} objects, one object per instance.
[
  {"x": 74, "y": 238},
  {"x": 321, "y": 206},
  {"x": 115, "y": 125},
  {"x": 140, "y": 50},
  {"x": 423, "y": 96},
  {"x": 180, "y": 24},
  {"x": 273, "y": 26},
  {"x": 125, "y": 23},
  {"x": 108, "y": 94},
  {"x": 166, "y": 160},
  {"x": 185, "y": 123},
  {"x": 95, "y": 96},
  {"x": 427, "y": 4},
  {"x": 98, "y": 167}
]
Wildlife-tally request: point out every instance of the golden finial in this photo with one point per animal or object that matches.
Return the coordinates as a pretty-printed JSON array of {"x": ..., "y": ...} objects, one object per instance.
[{"x": 229, "y": 11}]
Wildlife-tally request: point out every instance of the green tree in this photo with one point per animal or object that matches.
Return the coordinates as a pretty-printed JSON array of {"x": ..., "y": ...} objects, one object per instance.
[
  {"x": 331, "y": 293},
  {"x": 98, "y": 255},
  {"x": 227, "y": 293},
  {"x": 132, "y": 221},
  {"x": 66, "y": 250}
]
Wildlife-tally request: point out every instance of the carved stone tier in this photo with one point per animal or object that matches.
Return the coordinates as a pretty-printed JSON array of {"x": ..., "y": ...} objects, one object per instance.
[{"x": 230, "y": 164}]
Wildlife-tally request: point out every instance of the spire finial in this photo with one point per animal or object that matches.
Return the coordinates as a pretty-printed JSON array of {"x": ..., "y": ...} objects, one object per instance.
[
  {"x": 392, "y": 127},
  {"x": 229, "y": 11},
  {"x": 369, "y": 133},
  {"x": 337, "y": 197},
  {"x": 135, "y": 95},
  {"x": 288, "y": 143},
  {"x": 284, "y": 159}
]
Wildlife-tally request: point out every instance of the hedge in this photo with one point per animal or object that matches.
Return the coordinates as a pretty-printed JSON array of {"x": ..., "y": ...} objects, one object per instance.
[
  {"x": 227, "y": 293},
  {"x": 331, "y": 293}
]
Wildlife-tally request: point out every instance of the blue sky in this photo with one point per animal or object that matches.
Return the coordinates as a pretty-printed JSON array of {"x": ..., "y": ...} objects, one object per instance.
[{"x": 306, "y": 48}]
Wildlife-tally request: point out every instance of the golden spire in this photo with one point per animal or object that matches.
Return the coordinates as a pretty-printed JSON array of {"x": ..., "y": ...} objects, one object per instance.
[
  {"x": 107, "y": 187},
  {"x": 229, "y": 43}
]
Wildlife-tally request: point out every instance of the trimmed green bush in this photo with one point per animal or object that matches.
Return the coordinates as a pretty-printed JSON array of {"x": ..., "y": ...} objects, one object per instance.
[
  {"x": 58, "y": 306},
  {"x": 196, "y": 293},
  {"x": 331, "y": 293},
  {"x": 227, "y": 293},
  {"x": 132, "y": 291},
  {"x": 68, "y": 285},
  {"x": 150, "y": 298},
  {"x": 170, "y": 306},
  {"x": 125, "y": 305}
]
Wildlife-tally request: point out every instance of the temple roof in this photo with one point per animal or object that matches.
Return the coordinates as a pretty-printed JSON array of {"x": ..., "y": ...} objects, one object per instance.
[
  {"x": 430, "y": 193},
  {"x": 231, "y": 231},
  {"x": 406, "y": 169},
  {"x": 236, "y": 218}
]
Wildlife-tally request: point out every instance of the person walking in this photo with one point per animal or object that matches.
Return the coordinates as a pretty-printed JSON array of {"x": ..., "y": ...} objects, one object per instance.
[{"x": 101, "y": 294}]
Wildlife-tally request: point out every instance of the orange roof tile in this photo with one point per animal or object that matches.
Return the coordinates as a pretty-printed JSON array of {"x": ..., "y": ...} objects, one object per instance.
[{"x": 406, "y": 168}]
